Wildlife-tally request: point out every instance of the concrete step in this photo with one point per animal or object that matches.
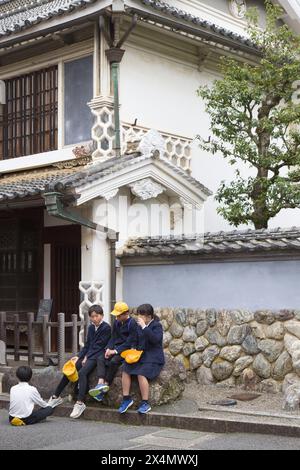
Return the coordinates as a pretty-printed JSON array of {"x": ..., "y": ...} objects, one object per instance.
[{"x": 204, "y": 421}]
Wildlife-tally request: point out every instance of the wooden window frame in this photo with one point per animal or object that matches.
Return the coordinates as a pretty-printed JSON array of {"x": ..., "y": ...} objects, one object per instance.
[
  {"x": 76, "y": 52},
  {"x": 30, "y": 115}
]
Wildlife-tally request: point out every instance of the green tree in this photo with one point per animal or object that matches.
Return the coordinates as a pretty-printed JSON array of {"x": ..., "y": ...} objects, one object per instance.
[{"x": 255, "y": 111}]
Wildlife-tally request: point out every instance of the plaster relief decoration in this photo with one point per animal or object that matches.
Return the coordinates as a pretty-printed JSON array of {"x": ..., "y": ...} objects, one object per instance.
[
  {"x": 238, "y": 8},
  {"x": 92, "y": 293},
  {"x": 146, "y": 189},
  {"x": 110, "y": 194},
  {"x": 152, "y": 143}
]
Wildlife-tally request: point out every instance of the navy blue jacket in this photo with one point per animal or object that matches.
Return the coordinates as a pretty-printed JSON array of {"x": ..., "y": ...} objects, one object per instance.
[
  {"x": 124, "y": 335},
  {"x": 151, "y": 342},
  {"x": 96, "y": 341}
]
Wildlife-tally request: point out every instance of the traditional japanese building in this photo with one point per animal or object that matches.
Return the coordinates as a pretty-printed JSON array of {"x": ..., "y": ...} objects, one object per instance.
[{"x": 98, "y": 118}]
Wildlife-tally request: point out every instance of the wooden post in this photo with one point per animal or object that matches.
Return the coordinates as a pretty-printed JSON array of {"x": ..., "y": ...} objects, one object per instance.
[
  {"x": 61, "y": 340},
  {"x": 86, "y": 325},
  {"x": 30, "y": 320},
  {"x": 45, "y": 339},
  {"x": 74, "y": 334},
  {"x": 16, "y": 337},
  {"x": 3, "y": 326}
]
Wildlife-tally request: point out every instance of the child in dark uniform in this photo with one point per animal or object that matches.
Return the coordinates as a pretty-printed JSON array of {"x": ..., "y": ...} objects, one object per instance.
[{"x": 150, "y": 340}]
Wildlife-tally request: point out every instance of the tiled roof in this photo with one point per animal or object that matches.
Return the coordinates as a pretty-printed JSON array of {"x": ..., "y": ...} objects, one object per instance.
[
  {"x": 35, "y": 182},
  {"x": 15, "y": 186},
  {"x": 100, "y": 170},
  {"x": 16, "y": 15},
  {"x": 170, "y": 10},
  {"x": 236, "y": 241}
]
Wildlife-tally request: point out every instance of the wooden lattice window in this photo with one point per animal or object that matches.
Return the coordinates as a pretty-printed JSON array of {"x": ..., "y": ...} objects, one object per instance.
[{"x": 28, "y": 123}]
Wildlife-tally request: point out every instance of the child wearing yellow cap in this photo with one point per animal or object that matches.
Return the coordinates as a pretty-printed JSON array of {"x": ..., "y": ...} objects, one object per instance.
[{"x": 124, "y": 336}]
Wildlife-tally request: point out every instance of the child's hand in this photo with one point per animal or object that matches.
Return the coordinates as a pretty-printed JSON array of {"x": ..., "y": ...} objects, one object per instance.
[
  {"x": 141, "y": 322},
  {"x": 74, "y": 359},
  {"x": 109, "y": 352}
]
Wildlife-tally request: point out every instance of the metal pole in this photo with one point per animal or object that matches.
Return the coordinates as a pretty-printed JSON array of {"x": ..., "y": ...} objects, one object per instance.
[
  {"x": 30, "y": 320},
  {"x": 115, "y": 81},
  {"x": 61, "y": 340},
  {"x": 74, "y": 334}
]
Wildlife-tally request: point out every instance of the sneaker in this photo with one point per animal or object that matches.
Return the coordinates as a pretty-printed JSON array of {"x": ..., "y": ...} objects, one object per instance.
[
  {"x": 99, "y": 388},
  {"x": 125, "y": 405},
  {"x": 53, "y": 402},
  {"x": 99, "y": 397},
  {"x": 144, "y": 407},
  {"x": 77, "y": 410}
]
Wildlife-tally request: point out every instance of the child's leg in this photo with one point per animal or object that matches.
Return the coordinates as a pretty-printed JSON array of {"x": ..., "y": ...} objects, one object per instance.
[
  {"x": 144, "y": 387},
  {"x": 126, "y": 383},
  {"x": 101, "y": 368},
  {"x": 84, "y": 372},
  {"x": 39, "y": 415},
  {"x": 64, "y": 381},
  {"x": 61, "y": 386},
  {"x": 112, "y": 368}
]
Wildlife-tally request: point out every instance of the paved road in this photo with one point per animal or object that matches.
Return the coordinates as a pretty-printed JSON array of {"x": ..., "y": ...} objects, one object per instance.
[{"x": 63, "y": 433}]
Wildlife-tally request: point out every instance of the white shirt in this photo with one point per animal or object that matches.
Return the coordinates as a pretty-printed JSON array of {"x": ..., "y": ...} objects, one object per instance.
[
  {"x": 96, "y": 327},
  {"x": 143, "y": 327},
  {"x": 23, "y": 397}
]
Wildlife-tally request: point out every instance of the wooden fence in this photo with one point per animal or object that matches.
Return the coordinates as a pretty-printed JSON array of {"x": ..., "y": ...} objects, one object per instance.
[{"x": 44, "y": 327}]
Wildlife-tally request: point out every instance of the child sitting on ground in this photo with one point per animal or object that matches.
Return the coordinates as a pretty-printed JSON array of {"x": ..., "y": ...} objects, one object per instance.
[{"x": 23, "y": 397}]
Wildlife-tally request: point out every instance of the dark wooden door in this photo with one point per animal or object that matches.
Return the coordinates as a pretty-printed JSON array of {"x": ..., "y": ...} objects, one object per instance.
[
  {"x": 20, "y": 260},
  {"x": 65, "y": 272}
]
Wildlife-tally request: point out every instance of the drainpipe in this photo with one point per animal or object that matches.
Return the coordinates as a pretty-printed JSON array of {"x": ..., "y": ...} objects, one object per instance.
[
  {"x": 56, "y": 208},
  {"x": 114, "y": 55}
]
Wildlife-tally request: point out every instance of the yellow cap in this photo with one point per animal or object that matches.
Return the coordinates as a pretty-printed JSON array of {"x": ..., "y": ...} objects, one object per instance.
[
  {"x": 17, "y": 422},
  {"x": 70, "y": 371},
  {"x": 131, "y": 355},
  {"x": 119, "y": 308}
]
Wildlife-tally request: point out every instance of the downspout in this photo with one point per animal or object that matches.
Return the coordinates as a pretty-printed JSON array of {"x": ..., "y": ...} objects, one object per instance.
[
  {"x": 56, "y": 208},
  {"x": 114, "y": 55}
]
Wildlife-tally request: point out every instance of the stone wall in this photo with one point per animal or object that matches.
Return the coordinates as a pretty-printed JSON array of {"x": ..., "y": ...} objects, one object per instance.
[{"x": 232, "y": 347}]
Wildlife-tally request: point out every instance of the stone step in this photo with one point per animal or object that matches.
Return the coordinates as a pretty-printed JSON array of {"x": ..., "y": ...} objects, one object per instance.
[{"x": 203, "y": 421}]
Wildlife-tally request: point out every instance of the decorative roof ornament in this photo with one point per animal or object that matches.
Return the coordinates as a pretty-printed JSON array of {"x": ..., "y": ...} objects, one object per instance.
[
  {"x": 238, "y": 8},
  {"x": 152, "y": 143},
  {"x": 132, "y": 143},
  {"x": 146, "y": 189}
]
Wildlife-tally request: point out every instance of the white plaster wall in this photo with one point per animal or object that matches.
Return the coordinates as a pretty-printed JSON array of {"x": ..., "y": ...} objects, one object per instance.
[
  {"x": 160, "y": 93},
  {"x": 218, "y": 12}
]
